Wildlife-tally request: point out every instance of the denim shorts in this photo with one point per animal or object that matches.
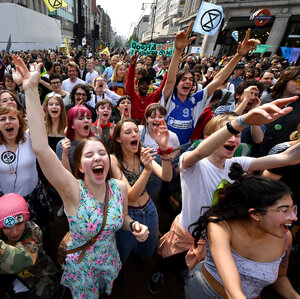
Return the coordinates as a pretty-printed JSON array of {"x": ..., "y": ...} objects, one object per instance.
[
  {"x": 126, "y": 241},
  {"x": 197, "y": 287}
]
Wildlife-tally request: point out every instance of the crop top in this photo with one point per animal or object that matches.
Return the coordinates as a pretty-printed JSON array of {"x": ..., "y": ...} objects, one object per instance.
[
  {"x": 254, "y": 275},
  {"x": 133, "y": 177}
]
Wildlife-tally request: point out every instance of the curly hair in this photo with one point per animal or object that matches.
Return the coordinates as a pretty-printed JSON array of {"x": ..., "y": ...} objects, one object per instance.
[{"x": 235, "y": 200}]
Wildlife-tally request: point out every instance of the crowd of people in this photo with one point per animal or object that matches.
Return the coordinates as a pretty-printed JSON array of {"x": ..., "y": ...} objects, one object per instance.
[{"x": 113, "y": 136}]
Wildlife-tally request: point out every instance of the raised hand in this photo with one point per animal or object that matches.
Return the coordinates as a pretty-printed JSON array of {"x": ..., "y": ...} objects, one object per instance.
[
  {"x": 140, "y": 231},
  {"x": 162, "y": 135},
  {"x": 66, "y": 145},
  {"x": 269, "y": 112},
  {"x": 147, "y": 157},
  {"x": 182, "y": 39},
  {"x": 247, "y": 44},
  {"x": 125, "y": 114},
  {"x": 134, "y": 58},
  {"x": 112, "y": 128},
  {"x": 99, "y": 129},
  {"x": 30, "y": 78}
]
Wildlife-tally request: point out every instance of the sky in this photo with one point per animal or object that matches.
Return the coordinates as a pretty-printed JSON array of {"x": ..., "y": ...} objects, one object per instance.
[{"x": 124, "y": 14}]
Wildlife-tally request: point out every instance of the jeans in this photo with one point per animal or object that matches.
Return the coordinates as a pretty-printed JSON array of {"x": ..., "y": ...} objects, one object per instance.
[
  {"x": 126, "y": 241},
  {"x": 197, "y": 286}
]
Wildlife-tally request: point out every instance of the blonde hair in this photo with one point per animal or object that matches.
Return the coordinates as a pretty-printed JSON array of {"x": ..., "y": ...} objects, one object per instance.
[
  {"x": 296, "y": 134},
  {"x": 215, "y": 123},
  {"x": 114, "y": 77}
]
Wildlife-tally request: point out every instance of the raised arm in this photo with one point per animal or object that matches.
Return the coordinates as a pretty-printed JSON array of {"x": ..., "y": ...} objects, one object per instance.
[
  {"x": 242, "y": 50},
  {"x": 258, "y": 116},
  {"x": 130, "y": 76},
  {"x": 57, "y": 175},
  {"x": 182, "y": 40},
  {"x": 165, "y": 171}
]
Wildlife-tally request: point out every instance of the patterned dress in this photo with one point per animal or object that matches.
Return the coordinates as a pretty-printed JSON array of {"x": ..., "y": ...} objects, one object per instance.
[{"x": 101, "y": 262}]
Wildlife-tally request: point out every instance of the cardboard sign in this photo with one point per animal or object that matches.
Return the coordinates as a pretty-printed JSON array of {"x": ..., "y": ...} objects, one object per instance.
[{"x": 152, "y": 48}]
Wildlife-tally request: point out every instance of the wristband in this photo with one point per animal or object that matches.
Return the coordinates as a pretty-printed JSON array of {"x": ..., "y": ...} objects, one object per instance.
[
  {"x": 131, "y": 224},
  {"x": 241, "y": 122},
  {"x": 166, "y": 152},
  {"x": 231, "y": 129},
  {"x": 167, "y": 159}
]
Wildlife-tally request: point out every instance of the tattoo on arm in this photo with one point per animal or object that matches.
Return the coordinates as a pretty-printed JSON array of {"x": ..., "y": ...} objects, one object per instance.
[{"x": 285, "y": 260}]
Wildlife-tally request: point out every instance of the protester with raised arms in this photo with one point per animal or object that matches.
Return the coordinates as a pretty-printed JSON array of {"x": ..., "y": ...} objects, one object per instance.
[{"x": 87, "y": 201}]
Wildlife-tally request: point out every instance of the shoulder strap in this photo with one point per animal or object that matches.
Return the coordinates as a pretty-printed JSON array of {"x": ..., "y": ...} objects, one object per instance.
[
  {"x": 225, "y": 98},
  {"x": 85, "y": 247}
]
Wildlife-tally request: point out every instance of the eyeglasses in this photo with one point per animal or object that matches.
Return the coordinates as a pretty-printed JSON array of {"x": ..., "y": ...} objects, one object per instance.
[
  {"x": 298, "y": 81},
  {"x": 55, "y": 83},
  {"x": 287, "y": 212},
  {"x": 81, "y": 94}
]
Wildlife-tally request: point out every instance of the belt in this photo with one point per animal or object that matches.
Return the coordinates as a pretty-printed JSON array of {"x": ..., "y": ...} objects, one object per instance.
[{"x": 218, "y": 288}]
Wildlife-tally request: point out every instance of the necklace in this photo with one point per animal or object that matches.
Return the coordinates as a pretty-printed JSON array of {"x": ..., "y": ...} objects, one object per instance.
[
  {"x": 132, "y": 167},
  {"x": 9, "y": 157}
]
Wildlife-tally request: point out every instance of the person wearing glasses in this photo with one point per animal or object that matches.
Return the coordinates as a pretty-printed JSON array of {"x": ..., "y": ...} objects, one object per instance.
[
  {"x": 248, "y": 240},
  {"x": 56, "y": 87},
  {"x": 80, "y": 95}
]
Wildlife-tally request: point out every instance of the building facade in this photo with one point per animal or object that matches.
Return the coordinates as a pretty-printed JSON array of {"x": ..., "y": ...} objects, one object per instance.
[
  {"x": 283, "y": 29},
  {"x": 163, "y": 22}
]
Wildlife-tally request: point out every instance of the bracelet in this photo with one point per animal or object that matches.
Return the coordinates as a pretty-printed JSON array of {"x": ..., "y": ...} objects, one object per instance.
[
  {"x": 166, "y": 152},
  {"x": 167, "y": 159},
  {"x": 131, "y": 224},
  {"x": 231, "y": 129},
  {"x": 241, "y": 122}
]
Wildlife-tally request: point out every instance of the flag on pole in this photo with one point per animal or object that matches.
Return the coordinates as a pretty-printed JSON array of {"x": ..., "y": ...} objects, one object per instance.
[
  {"x": 209, "y": 18},
  {"x": 55, "y": 4},
  {"x": 8, "y": 46},
  {"x": 105, "y": 51},
  {"x": 66, "y": 47}
]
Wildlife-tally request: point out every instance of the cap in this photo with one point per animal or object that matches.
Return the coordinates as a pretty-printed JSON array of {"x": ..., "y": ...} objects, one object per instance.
[{"x": 12, "y": 205}]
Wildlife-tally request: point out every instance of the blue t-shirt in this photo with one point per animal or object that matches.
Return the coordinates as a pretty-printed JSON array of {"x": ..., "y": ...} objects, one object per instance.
[{"x": 182, "y": 117}]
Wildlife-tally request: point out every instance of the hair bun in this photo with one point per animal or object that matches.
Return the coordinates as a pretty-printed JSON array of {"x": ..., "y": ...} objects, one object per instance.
[{"x": 236, "y": 172}]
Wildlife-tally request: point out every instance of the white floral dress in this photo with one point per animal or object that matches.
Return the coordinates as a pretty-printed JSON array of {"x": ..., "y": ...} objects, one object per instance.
[{"x": 101, "y": 262}]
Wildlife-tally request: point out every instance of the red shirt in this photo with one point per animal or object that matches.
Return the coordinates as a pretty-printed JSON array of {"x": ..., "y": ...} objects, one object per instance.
[{"x": 139, "y": 103}]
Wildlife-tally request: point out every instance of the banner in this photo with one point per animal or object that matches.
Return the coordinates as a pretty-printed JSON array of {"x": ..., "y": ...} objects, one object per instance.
[
  {"x": 261, "y": 49},
  {"x": 209, "y": 19},
  {"x": 152, "y": 48},
  {"x": 105, "y": 51},
  {"x": 66, "y": 47},
  {"x": 235, "y": 35},
  {"x": 286, "y": 52},
  {"x": 195, "y": 50},
  {"x": 55, "y": 4},
  {"x": 294, "y": 55},
  {"x": 83, "y": 41}
]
